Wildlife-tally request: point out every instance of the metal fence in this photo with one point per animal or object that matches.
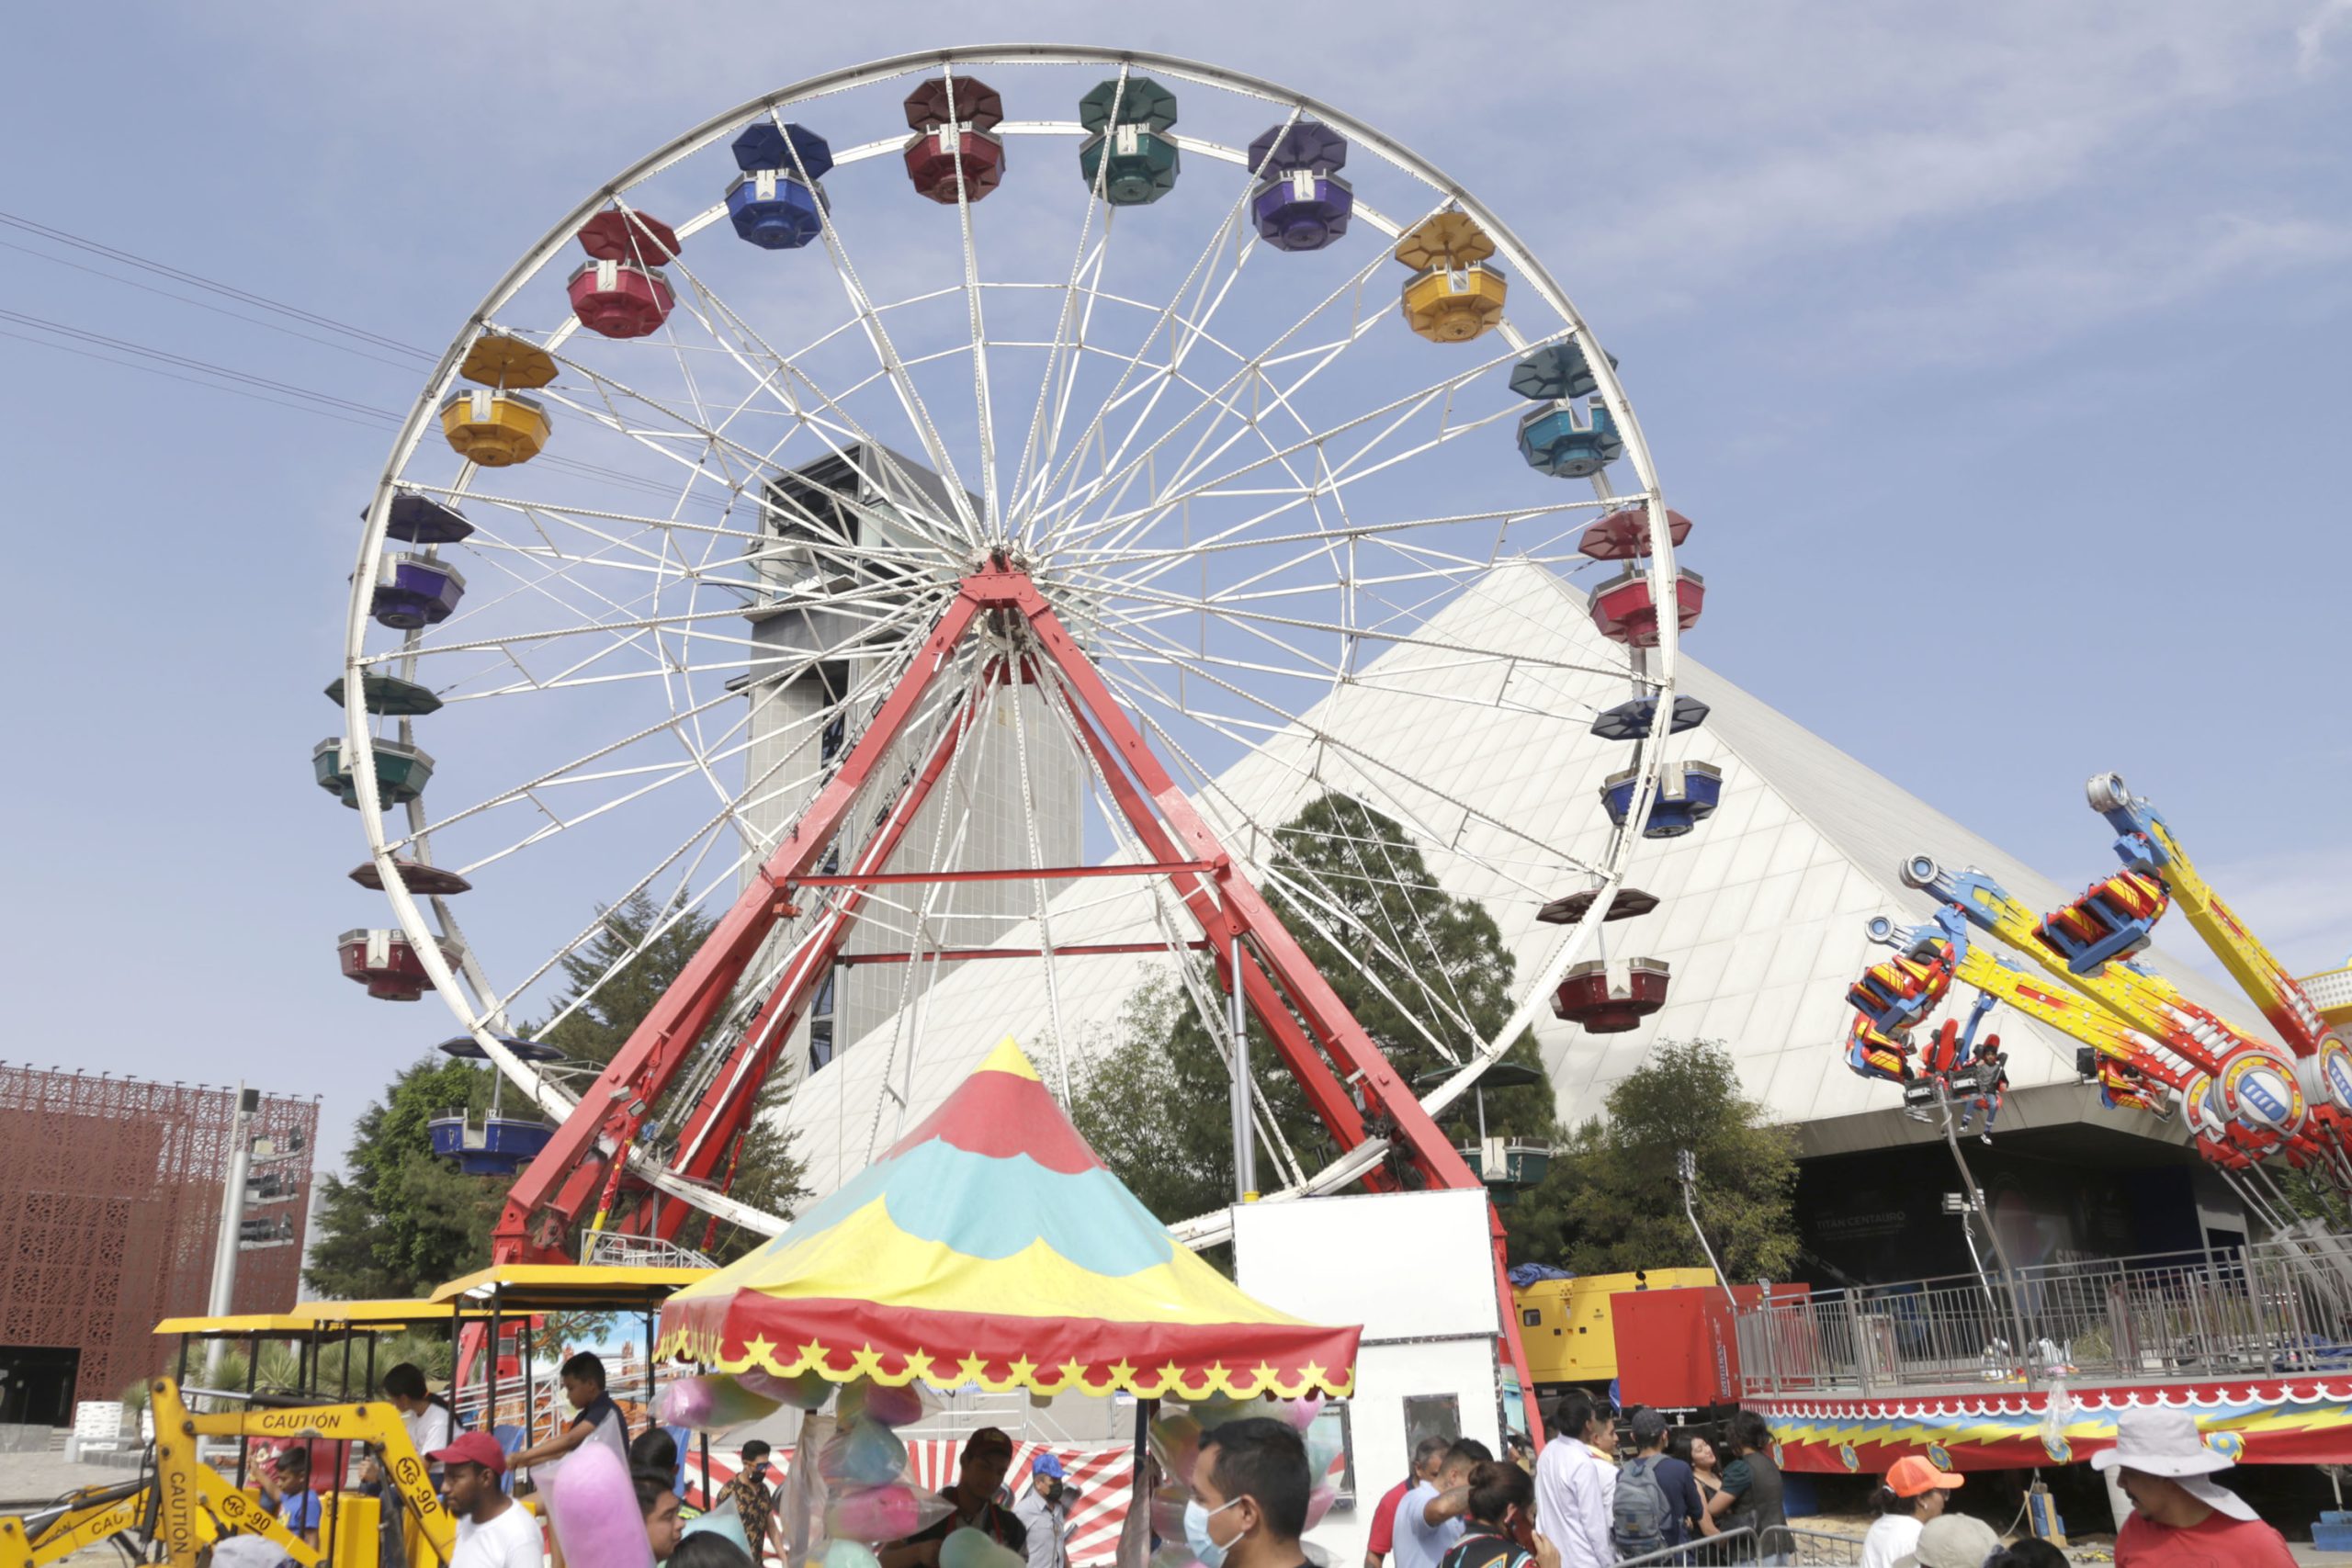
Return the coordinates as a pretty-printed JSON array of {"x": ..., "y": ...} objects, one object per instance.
[
  {"x": 2278, "y": 1308},
  {"x": 1781, "y": 1544}
]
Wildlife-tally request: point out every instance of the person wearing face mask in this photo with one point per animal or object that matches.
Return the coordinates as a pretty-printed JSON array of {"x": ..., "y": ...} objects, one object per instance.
[{"x": 1249, "y": 1489}]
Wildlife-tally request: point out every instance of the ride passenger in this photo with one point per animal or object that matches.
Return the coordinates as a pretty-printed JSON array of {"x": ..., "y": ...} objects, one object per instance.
[
  {"x": 285, "y": 1488},
  {"x": 595, "y": 1415},
  {"x": 1994, "y": 1070}
]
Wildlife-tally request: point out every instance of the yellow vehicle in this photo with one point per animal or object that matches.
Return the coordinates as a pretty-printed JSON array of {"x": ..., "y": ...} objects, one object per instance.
[
  {"x": 182, "y": 1505},
  {"x": 1565, "y": 1323}
]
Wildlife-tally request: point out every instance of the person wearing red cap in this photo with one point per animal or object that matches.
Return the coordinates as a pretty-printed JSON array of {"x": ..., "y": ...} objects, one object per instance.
[
  {"x": 494, "y": 1530},
  {"x": 1914, "y": 1493}
]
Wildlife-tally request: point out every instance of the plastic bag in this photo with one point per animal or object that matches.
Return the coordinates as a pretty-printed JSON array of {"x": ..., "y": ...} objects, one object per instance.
[{"x": 711, "y": 1403}]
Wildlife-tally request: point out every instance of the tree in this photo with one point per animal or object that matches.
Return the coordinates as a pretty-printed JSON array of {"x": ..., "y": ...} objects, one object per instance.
[
  {"x": 402, "y": 1220},
  {"x": 766, "y": 1173},
  {"x": 1402, "y": 955},
  {"x": 1612, "y": 1204},
  {"x": 600, "y": 1024}
]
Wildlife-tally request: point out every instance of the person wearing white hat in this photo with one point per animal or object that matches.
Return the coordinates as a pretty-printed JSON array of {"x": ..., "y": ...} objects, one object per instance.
[{"x": 2180, "y": 1518}]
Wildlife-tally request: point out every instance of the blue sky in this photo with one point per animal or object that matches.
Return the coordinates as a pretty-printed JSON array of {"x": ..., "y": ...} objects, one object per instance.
[{"x": 1995, "y": 349}]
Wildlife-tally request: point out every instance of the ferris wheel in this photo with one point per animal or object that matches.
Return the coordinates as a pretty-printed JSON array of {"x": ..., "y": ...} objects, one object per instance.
[{"x": 960, "y": 507}]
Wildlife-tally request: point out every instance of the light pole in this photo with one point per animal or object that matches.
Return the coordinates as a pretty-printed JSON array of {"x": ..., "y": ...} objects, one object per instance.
[
  {"x": 1685, "y": 1176},
  {"x": 232, "y": 1222}
]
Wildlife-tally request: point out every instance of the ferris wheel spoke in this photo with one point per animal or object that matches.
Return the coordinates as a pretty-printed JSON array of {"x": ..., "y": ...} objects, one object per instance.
[
  {"x": 571, "y": 768},
  {"x": 1393, "y": 783},
  {"x": 780, "y": 378},
  {"x": 1216, "y": 240},
  {"x": 983, "y": 405},
  {"x": 1377, "y": 633},
  {"x": 878, "y": 610},
  {"x": 1400, "y": 413},
  {"x": 1054, "y": 388},
  {"x": 1255, "y": 371},
  {"x": 878, "y": 338}
]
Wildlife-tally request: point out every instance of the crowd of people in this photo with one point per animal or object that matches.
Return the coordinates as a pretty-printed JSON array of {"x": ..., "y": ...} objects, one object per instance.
[{"x": 1587, "y": 1501}]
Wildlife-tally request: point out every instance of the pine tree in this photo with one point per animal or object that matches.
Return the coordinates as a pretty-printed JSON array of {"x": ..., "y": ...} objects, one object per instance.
[
  {"x": 402, "y": 1220},
  {"x": 1401, "y": 953}
]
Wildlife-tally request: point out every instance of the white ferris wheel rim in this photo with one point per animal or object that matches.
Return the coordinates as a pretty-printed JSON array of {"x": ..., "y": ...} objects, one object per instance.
[{"x": 470, "y": 998}]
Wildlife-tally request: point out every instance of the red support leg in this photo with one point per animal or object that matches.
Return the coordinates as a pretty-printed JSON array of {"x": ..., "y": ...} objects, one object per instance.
[
  {"x": 1222, "y": 902},
  {"x": 546, "y": 1199},
  {"x": 726, "y": 1107}
]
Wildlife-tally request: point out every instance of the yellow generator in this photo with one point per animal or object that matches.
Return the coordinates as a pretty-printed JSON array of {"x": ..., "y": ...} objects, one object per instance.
[{"x": 1565, "y": 1323}]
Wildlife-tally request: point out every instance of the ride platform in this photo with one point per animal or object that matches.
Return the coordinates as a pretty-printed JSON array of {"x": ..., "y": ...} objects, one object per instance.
[{"x": 2257, "y": 1341}]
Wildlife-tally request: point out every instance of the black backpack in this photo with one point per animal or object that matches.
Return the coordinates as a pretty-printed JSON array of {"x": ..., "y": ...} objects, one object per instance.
[{"x": 1638, "y": 1516}]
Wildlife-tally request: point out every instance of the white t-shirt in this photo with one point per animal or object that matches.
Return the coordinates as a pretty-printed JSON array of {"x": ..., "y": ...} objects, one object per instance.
[
  {"x": 1418, "y": 1544},
  {"x": 1893, "y": 1535},
  {"x": 510, "y": 1540},
  {"x": 428, "y": 1429}
]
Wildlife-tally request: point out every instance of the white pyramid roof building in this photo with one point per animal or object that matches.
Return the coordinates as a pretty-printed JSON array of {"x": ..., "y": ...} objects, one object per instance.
[{"x": 1761, "y": 914}]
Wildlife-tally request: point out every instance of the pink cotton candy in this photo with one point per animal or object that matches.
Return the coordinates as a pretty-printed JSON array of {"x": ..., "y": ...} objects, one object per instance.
[
  {"x": 881, "y": 1513},
  {"x": 879, "y": 1403},
  {"x": 594, "y": 1505},
  {"x": 803, "y": 1390},
  {"x": 1318, "y": 1503},
  {"x": 711, "y": 1403},
  {"x": 1301, "y": 1412}
]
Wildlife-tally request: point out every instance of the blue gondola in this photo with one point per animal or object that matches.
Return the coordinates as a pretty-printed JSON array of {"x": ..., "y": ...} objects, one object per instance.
[{"x": 1688, "y": 794}]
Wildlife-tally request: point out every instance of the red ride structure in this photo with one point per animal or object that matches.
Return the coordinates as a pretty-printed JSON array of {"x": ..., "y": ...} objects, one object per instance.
[{"x": 1311, "y": 1028}]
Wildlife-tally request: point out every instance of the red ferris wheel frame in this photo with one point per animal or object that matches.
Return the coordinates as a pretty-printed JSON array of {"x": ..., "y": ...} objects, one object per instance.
[{"x": 1311, "y": 1028}]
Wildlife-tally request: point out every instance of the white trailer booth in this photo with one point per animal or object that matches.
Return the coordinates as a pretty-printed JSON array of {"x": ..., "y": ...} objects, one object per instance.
[{"x": 1418, "y": 1271}]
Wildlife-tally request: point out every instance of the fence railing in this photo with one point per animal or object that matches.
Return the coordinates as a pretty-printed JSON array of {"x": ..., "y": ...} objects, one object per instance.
[
  {"x": 2277, "y": 1308},
  {"x": 1781, "y": 1544}
]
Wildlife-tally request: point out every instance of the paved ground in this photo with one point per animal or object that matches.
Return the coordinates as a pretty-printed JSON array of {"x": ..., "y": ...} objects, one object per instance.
[{"x": 36, "y": 1478}]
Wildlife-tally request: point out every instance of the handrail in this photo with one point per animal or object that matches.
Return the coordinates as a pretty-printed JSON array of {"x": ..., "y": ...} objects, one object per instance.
[{"x": 2278, "y": 1307}]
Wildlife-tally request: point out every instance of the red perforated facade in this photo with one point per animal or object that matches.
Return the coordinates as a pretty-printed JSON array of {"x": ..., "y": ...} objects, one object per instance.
[{"x": 110, "y": 1201}]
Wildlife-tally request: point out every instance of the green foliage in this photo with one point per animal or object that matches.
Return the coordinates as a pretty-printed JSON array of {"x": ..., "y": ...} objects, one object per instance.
[
  {"x": 401, "y": 1220},
  {"x": 600, "y": 1026},
  {"x": 1152, "y": 1097},
  {"x": 1612, "y": 1204}
]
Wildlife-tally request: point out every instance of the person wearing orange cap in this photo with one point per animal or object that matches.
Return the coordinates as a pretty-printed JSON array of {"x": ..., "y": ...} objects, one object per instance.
[
  {"x": 1915, "y": 1491},
  {"x": 494, "y": 1530}
]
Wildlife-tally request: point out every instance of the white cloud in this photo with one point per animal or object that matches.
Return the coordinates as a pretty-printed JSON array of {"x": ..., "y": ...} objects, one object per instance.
[
  {"x": 2310, "y": 39},
  {"x": 2055, "y": 286}
]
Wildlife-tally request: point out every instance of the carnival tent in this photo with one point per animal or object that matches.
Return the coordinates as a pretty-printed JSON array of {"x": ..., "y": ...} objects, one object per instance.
[{"x": 991, "y": 1247}]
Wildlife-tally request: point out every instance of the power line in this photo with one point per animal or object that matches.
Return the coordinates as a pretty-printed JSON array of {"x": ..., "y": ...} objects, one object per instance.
[
  {"x": 100, "y": 358},
  {"x": 205, "y": 367},
  {"x": 217, "y": 310},
  {"x": 62, "y": 237}
]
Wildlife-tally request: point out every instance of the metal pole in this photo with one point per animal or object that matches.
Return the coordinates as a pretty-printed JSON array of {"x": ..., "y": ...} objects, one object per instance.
[
  {"x": 1686, "y": 1174},
  {"x": 1992, "y": 1232},
  {"x": 233, "y": 1216},
  {"x": 1244, "y": 1152}
]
